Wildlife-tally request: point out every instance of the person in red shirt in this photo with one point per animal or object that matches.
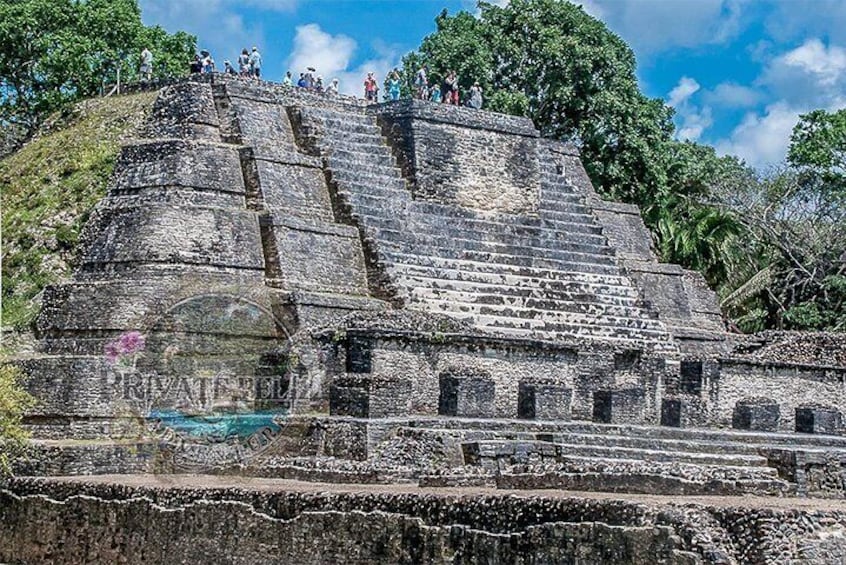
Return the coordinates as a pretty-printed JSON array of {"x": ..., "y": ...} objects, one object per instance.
[{"x": 371, "y": 88}]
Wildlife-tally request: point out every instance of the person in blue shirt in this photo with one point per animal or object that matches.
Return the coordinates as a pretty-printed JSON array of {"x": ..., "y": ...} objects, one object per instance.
[
  {"x": 394, "y": 86},
  {"x": 255, "y": 63}
]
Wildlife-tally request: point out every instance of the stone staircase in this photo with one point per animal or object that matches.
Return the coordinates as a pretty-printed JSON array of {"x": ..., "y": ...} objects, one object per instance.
[
  {"x": 624, "y": 458},
  {"x": 551, "y": 275},
  {"x": 315, "y": 262}
]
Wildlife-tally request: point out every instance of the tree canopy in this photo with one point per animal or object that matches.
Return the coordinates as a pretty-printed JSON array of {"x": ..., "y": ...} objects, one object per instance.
[{"x": 56, "y": 51}]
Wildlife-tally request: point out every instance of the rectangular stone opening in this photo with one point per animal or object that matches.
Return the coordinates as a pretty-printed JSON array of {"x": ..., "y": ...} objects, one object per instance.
[
  {"x": 469, "y": 396},
  {"x": 628, "y": 360},
  {"x": 818, "y": 420},
  {"x": 602, "y": 405},
  {"x": 671, "y": 410},
  {"x": 690, "y": 377},
  {"x": 359, "y": 355},
  {"x": 526, "y": 401},
  {"x": 543, "y": 401},
  {"x": 757, "y": 414}
]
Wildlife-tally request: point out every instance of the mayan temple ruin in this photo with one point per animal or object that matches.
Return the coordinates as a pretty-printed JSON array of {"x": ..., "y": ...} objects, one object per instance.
[{"x": 423, "y": 320}]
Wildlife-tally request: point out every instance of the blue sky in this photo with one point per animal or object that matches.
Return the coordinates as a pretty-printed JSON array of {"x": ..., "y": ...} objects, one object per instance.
[{"x": 738, "y": 72}]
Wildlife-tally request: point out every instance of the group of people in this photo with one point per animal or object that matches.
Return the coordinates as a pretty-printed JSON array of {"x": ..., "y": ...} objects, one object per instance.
[
  {"x": 250, "y": 62},
  {"x": 448, "y": 92}
]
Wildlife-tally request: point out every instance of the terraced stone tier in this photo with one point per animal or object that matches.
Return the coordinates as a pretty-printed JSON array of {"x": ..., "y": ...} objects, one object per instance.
[{"x": 440, "y": 238}]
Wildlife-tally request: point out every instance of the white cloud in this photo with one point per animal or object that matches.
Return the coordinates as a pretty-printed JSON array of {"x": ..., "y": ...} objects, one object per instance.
[
  {"x": 216, "y": 23},
  {"x": 808, "y": 77},
  {"x": 798, "y": 19},
  {"x": 762, "y": 140},
  {"x": 731, "y": 95},
  {"x": 692, "y": 121},
  {"x": 331, "y": 56},
  {"x": 654, "y": 25},
  {"x": 683, "y": 90}
]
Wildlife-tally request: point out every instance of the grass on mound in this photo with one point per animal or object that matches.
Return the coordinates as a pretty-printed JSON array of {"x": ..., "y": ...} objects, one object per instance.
[{"x": 47, "y": 190}]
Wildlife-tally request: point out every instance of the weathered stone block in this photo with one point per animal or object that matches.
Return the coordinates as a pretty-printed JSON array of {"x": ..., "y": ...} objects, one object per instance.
[
  {"x": 370, "y": 397},
  {"x": 623, "y": 406},
  {"x": 470, "y": 396},
  {"x": 818, "y": 420},
  {"x": 539, "y": 401},
  {"x": 350, "y": 397},
  {"x": 756, "y": 414}
]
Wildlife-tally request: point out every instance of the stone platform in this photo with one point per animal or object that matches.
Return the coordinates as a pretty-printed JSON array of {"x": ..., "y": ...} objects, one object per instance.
[{"x": 176, "y": 519}]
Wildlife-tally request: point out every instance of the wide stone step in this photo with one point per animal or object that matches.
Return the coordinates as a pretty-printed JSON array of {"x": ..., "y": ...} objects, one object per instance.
[
  {"x": 412, "y": 275},
  {"x": 555, "y": 193},
  {"x": 350, "y": 138},
  {"x": 575, "y": 262},
  {"x": 358, "y": 174},
  {"x": 586, "y": 305},
  {"x": 747, "y": 438},
  {"x": 346, "y": 115},
  {"x": 362, "y": 186},
  {"x": 518, "y": 226},
  {"x": 338, "y": 126},
  {"x": 596, "y": 324},
  {"x": 486, "y": 267},
  {"x": 397, "y": 218},
  {"x": 356, "y": 149},
  {"x": 506, "y": 297},
  {"x": 594, "y": 474},
  {"x": 423, "y": 234},
  {"x": 381, "y": 160},
  {"x": 521, "y": 451}
]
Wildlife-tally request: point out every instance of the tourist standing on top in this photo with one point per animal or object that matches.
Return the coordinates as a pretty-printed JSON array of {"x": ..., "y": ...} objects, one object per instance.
[
  {"x": 244, "y": 62},
  {"x": 475, "y": 96},
  {"x": 332, "y": 89},
  {"x": 309, "y": 77},
  {"x": 318, "y": 84},
  {"x": 394, "y": 85},
  {"x": 228, "y": 68},
  {"x": 288, "y": 80},
  {"x": 371, "y": 89},
  {"x": 435, "y": 95},
  {"x": 450, "y": 88},
  {"x": 146, "y": 65},
  {"x": 302, "y": 83},
  {"x": 208, "y": 62},
  {"x": 197, "y": 64},
  {"x": 255, "y": 63},
  {"x": 421, "y": 83}
]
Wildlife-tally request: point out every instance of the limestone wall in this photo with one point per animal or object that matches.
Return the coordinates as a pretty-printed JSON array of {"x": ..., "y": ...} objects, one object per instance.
[
  {"x": 788, "y": 385},
  {"x": 480, "y": 160},
  {"x": 73, "y": 523}
]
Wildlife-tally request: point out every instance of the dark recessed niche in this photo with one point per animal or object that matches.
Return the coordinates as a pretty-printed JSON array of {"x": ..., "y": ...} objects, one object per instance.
[
  {"x": 690, "y": 377},
  {"x": 628, "y": 360},
  {"x": 359, "y": 355}
]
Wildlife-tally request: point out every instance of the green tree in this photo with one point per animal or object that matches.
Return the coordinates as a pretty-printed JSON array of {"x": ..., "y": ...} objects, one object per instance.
[{"x": 53, "y": 52}]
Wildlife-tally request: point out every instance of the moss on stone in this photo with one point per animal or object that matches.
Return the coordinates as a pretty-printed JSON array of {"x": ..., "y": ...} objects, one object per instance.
[{"x": 48, "y": 189}]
